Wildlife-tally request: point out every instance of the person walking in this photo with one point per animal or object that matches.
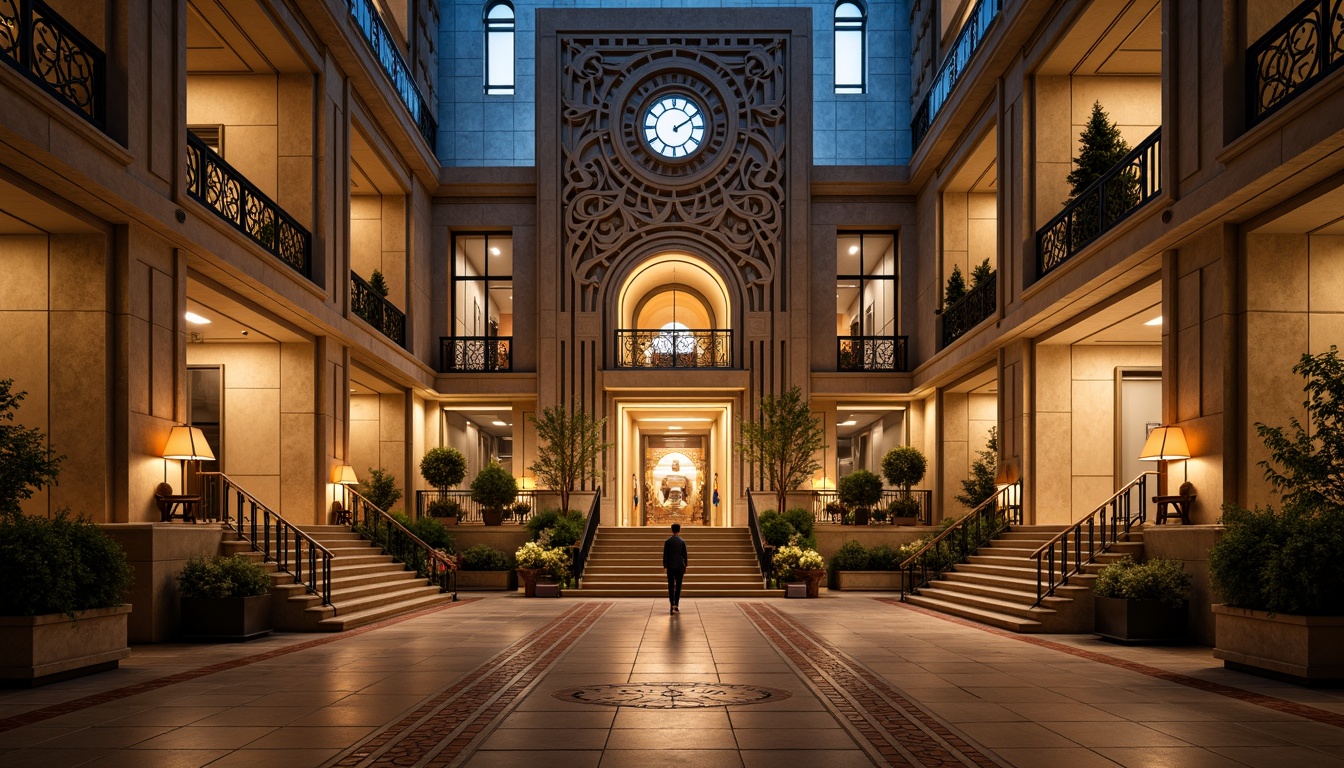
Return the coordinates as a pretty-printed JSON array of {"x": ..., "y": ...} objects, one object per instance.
[{"x": 674, "y": 564}]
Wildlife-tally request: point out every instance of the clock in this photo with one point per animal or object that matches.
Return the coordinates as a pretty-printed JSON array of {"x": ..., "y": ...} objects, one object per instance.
[{"x": 674, "y": 126}]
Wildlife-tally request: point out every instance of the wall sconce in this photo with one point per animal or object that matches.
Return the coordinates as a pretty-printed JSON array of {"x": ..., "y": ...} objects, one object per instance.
[
  {"x": 186, "y": 444},
  {"x": 1166, "y": 444}
]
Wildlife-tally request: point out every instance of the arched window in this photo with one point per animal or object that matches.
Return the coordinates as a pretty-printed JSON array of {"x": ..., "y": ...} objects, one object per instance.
[
  {"x": 499, "y": 25},
  {"x": 851, "y": 47}
]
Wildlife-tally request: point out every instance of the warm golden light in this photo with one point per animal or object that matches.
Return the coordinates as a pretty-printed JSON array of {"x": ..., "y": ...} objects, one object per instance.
[
  {"x": 345, "y": 475},
  {"x": 187, "y": 443},
  {"x": 1164, "y": 444}
]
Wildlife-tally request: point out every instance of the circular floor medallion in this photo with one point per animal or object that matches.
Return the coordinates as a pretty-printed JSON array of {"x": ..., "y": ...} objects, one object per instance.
[{"x": 671, "y": 695}]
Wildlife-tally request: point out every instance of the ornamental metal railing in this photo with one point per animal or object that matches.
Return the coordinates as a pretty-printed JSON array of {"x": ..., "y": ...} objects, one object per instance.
[
  {"x": 396, "y": 540},
  {"x": 589, "y": 534},
  {"x": 674, "y": 348},
  {"x": 827, "y": 508},
  {"x": 376, "y": 310},
  {"x": 49, "y": 51},
  {"x": 221, "y": 188},
  {"x": 958, "y": 57},
  {"x": 962, "y": 539},
  {"x": 764, "y": 552},
  {"x": 1292, "y": 56},
  {"x": 370, "y": 24},
  {"x": 475, "y": 354},
  {"x": 871, "y": 353},
  {"x": 970, "y": 310},
  {"x": 1072, "y": 549},
  {"x": 1125, "y": 188}
]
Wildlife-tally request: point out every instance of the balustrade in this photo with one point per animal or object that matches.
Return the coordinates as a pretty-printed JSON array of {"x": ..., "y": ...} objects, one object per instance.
[
  {"x": 478, "y": 354},
  {"x": 48, "y": 50},
  {"x": 371, "y": 25},
  {"x": 972, "y": 309},
  {"x": 1293, "y": 55},
  {"x": 958, "y": 58},
  {"x": 871, "y": 353},
  {"x": 674, "y": 348},
  {"x": 377, "y": 310}
]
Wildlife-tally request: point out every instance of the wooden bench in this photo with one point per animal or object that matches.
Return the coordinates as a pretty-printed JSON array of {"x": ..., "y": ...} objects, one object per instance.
[{"x": 1176, "y": 506}]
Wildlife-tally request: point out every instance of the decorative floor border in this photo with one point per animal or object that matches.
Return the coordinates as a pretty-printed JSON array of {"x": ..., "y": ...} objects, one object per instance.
[
  {"x": 1250, "y": 697},
  {"x": 900, "y": 732},
  {"x": 93, "y": 700},
  {"x": 445, "y": 725}
]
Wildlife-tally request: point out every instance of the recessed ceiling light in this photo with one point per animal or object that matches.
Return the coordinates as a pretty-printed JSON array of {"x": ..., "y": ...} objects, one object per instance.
[
  {"x": 499, "y": 423},
  {"x": 196, "y": 319},
  {"x": 687, "y": 418},
  {"x": 1155, "y": 321},
  {"x": 673, "y": 426},
  {"x": 494, "y": 251},
  {"x": 849, "y": 423},
  {"x": 853, "y": 249}
]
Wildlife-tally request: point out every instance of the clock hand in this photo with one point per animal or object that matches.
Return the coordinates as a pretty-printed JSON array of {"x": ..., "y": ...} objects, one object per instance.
[{"x": 679, "y": 126}]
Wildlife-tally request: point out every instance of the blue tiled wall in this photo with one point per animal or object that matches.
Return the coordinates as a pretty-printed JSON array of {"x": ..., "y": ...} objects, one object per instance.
[{"x": 872, "y": 128}]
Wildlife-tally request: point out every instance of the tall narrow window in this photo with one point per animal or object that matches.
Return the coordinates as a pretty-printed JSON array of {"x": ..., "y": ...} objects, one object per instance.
[
  {"x": 482, "y": 303},
  {"x": 851, "y": 49},
  {"x": 865, "y": 303},
  {"x": 499, "y": 24}
]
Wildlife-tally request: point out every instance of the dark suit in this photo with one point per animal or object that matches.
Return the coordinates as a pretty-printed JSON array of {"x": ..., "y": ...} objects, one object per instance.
[{"x": 674, "y": 560}]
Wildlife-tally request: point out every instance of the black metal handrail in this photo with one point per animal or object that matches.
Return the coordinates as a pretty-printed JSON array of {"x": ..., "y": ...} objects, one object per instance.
[
  {"x": 49, "y": 51},
  {"x": 589, "y": 534},
  {"x": 970, "y": 310},
  {"x": 376, "y": 525},
  {"x": 872, "y": 353},
  {"x": 763, "y": 556},
  {"x": 820, "y": 500},
  {"x": 1125, "y": 188},
  {"x": 220, "y": 187},
  {"x": 963, "y": 538},
  {"x": 477, "y": 354},
  {"x": 278, "y": 540},
  {"x": 1112, "y": 519},
  {"x": 1291, "y": 57},
  {"x": 472, "y": 512},
  {"x": 375, "y": 33},
  {"x": 958, "y": 57},
  {"x": 674, "y": 348},
  {"x": 376, "y": 310}
]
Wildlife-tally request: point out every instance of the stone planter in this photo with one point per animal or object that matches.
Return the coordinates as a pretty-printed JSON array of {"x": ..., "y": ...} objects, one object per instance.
[
  {"x": 36, "y": 650},
  {"x": 493, "y": 516},
  {"x": 226, "y": 618},
  {"x": 871, "y": 581},
  {"x": 1139, "y": 621},
  {"x": 1308, "y": 650},
  {"x": 905, "y": 521},
  {"x": 529, "y": 578},
  {"x": 501, "y": 581},
  {"x": 812, "y": 577}
]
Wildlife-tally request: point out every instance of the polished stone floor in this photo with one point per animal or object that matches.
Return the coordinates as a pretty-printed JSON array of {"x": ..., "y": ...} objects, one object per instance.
[{"x": 845, "y": 680}]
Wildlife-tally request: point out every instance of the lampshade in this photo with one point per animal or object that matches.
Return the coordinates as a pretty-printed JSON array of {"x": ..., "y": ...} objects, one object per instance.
[
  {"x": 1165, "y": 443},
  {"x": 1007, "y": 473},
  {"x": 345, "y": 475},
  {"x": 187, "y": 443}
]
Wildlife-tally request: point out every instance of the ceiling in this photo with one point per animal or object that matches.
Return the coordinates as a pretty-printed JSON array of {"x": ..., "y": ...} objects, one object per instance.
[
  {"x": 368, "y": 174},
  {"x": 979, "y": 174},
  {"x": 218, "y": 44},
  {"x": 1122, "y": 323},
  {"x": 484, "y": 415},
  {"x": 231, "y": 321},
  {"x": 1111, "y": 37},
  {"x": 1322, "y": 216},
  {"x": 25, "y": 214}
]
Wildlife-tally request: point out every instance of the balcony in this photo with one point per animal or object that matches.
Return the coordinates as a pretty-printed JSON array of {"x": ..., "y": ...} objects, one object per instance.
[
  {"x": 958, "y": 57},
  {"x": 1291, "y": 57},
  {"x": 48, "y": 50},
  {"x": 871, "y": 353},
  {"x": 475, "y": 354},
  {"x": 1109, "y": 200},
  {"x": 375, "y": 33},
  {"x": 221, "y": 188},
  {"x": 674, "y": 348},
  {"x": 376, "y": 310},
  {"x": 970, "y": 310}
]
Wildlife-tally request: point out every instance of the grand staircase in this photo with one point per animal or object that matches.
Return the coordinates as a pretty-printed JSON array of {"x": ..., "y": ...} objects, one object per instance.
[
  {"x": 628, "y": 562},
  {"x": 366, "y": 586},
  {"x": 997, "y": 585}
]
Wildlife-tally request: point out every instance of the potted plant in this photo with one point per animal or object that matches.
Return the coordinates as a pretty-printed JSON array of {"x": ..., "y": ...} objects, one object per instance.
[
  {"x": 225, "y": 598},
  {"x": 520, "y": 511},
  {"x": 1278, "y": 572},
  {"x": 493, "y": 488},
  {"x": 800, "y": 564},
  {"x": 1141, "y": 602},
  {"x": 876, "y": 569},
  {"x": 537, "y": 562},
  {"x": 860, "y": 490},
  {"x": 446, "y": 511},
  {"x": 836, "y": 512},
  {"x": 443, "y": 468},
  {"x": 903, "y": 467},
  {"x": 485, "y": 568}
]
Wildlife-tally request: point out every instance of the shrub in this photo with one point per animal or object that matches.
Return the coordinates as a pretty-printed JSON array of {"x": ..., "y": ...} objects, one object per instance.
[
  {"x": 904, "y": 506},
  {"x": 443, "y": 467},
  {"x": 62, "y": 565},
  {"x": 801, "y": 520},
  {"x": 493, "y": 487},
  {"x": 428, "y": 530},
  {"x": 552, "y": 528},
  {"x": 884, "y": 557},
  {"x": 1285, "y": 562},
  {"x": 904, "y": 466},
  {"x": 380, "y": 488},
  {"x": 26, "y": 463},
  {"x": 851, "y": 556},
  {"x": 788, "y": 558},
  {"x": 484, "y": 557},
  {"x": 553, "y": 560},
  {"x": 444, "y": 508},
  {"x": 223, "y": 577},
  {"x": 1156, "y": 579},
  {"x": 775, "y": 529},
  {"x": 860, "y": 488}
]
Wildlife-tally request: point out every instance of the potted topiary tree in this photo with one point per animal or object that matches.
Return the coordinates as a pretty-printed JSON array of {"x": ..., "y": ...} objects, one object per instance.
[
  {"x": 484, "y": 567},
  {"x": 493, "y": 488},
  {"x": 1141, "y": 602},
  {"x": 225, "y": 598},
  {"x": 860, "y": 490},
  {"x": 903, "y": 467},
  {"x": 443, "y": 468}
]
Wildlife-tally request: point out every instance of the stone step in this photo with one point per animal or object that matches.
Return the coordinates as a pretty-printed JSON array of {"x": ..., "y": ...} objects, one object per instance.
[
  {"x": 361, "y": 616},
  {"x": 686, "y": 592},
  {"x": 992, "y": 618},
  {"x": 1021, "y": 610}
]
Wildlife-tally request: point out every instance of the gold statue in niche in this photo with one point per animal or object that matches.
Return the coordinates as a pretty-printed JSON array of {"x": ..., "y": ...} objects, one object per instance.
[
  {"x": 676, "y": 487},
  {"x": 673, "y": 487}
]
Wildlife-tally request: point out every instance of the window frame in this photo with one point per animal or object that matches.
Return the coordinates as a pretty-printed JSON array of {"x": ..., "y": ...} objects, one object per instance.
[
  {"x": 847, "y": 25},
  {"x": 892, "y": 279},
  {"x": 485, "y": 279},
  {"x": 495, "y": 26}
]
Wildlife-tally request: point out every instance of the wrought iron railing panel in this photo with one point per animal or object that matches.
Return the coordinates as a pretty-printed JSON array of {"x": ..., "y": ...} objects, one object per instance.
[
  {"x": 954, "y": 64},
  {"x": 963, "y": 538},
  {"x": 1076, "y": 547},
  {"x": 525, "y": 504},
  {"x": 488, "y": 354},
  {"x": 370, "y": 24},
  {"x": 1125, "y": 188},
  {"x": 377, "y": 310},
  {"x": 871, "y": 353},
  {"x": 589, "y": 534},
  {"x": 376, "y": 525},
  {"x": 972, "y": 309},
  {"x": 826, "y": 506},
  {"x": 680, "y": 348},
  {"x": 221, "y": 188},
  {"x": 764, "y": 552},
  {"x": 48, "y": 50},
  {"x": 1293, "y": 55}
]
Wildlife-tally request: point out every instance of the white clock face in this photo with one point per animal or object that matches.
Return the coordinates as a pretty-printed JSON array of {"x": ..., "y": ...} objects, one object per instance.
[{"x": 674, "y": 126}]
